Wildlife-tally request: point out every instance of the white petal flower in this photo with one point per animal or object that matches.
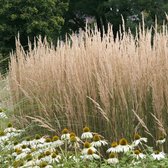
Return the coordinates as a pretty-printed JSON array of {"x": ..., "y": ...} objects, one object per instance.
[
  {"x": 65, "y": 137},
  {"x": 57, "y": 143},
  {"x": 21, "y": 156},
  {"x": 31, "y": 163},
  {"x": 52, "y": 158},
  {"x": 85, "y": 150},
  {"x": 138, "y": 155},
  {"x": 49, "y": 166},
  {"x": 3, "y": 115},
  {"x": 9, "y": 129},
  {"x": 42, "y": 140},
  {"x": 158, "y": 155},
  {"x": 115, "y": 148},
  {"x": 123, "y": 146},
  {"x": 86, "y": 133},
  {"x": 90, "y": 155},
  {"x": 112, "y": 161},
  {"x": 97, "y": 142},
  {"x": 161, "y": 141},
  {"x": 138, "y": 140}
]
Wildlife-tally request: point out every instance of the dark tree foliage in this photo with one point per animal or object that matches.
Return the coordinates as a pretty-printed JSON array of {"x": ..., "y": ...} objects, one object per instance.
[
  {"x": 30, "y": 18},
  {"x": 110, "y": 11}
]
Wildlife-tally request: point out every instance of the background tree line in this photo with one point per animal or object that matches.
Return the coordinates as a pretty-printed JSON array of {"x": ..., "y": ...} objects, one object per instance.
[{"x": 56, "y": 18}]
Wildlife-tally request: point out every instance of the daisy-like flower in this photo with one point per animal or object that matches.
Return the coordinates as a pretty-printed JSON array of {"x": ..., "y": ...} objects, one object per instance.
[
  {"x": 157, "y": 155},
  {"x": 97, "y": 142},
  {"x": 74, "y": 141},
  {"x": 55, "y": 157},
  {"x": 73, "y": 134},
  {"x": 65, "y": 134},
  {"x": 138, "y": 139},
  {"x": 112, "y": 159},
  {"x": 161, "y": 140},
  {"x": 88, "y": 146},
  {"x": 86, "y": 133},
  {"x": 114, "y": 148},
  {"x": 37, "y": 142},
  {"x": 123, "y": 146},
  {"x": 3, "y": 115},
  {"x": 56, "y": 142},
  {"x": 51, "y": 157},
  {"x": 9, "y": 128},
  {"x": 138, "y": 154},
  {"x": 90, "y": 155}
]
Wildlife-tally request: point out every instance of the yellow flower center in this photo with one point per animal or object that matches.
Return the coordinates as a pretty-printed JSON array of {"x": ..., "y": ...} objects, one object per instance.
[
  {"x": 112, "y": 155},
  {"x": 29, "y": 157},
  {"x": 47, "y": 153},
  {"x": 87, "y": 145},
  {"x": 96, "y": 137},
  {"x": 18, "y": 163},
  {"x": 2, "y": 133},
  {"x": 55, "y": 138},
  {"x": 9, "y": 125},
  {"x": 114, "y": 144},
  {"x": 27, "y": 138},
  {"x": 157, "y": 152},
  {"x": 48, "y": 139},
  {"x": 137, "y": 136},
  {"x": 24, "y": 146},
  {"x": 72, "y": 134},
  {"x": 15, "y": 143},
  {"x": 40, "y": 156},
  {"x": 54, "y": 155},
  {"x": 73, "y": 139},
  {"x": 65, "y": 131},
  {"x": 37, "y": 136},
  {"x": 90, "y": 152},
  {"x": 33, "y": 149},
  {"x": 86, "y": 129},
  {"x": 123, "y": 142},
  {"x": 137, "y": 152},
  {"x": 18, "y": 151},
  {"x": 43, "y": 164}
]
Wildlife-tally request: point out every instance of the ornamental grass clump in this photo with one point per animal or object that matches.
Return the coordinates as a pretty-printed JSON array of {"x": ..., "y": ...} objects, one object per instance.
[{"x": 112, "y": 84}]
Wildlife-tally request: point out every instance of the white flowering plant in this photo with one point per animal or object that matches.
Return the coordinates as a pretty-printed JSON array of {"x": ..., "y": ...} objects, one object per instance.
[{"x": 69, "y": 150}]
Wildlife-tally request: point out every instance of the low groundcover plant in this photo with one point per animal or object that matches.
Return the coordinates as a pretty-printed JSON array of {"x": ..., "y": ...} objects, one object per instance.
[{"x": 68, "y": 150}]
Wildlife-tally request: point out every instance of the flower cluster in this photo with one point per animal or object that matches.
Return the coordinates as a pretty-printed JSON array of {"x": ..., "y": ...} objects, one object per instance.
[
  {"x": 48, "y": 151},
  {"x": 2, "y": 114}
]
